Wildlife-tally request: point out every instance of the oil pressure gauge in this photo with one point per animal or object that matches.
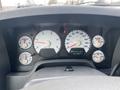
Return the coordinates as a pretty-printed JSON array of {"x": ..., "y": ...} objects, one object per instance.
[
  {"x": 25, "y": 58},
  {"x": 98, "y": 41},
  {"x": 25, "y": 42},
  {"x": 98, "y": 56}
]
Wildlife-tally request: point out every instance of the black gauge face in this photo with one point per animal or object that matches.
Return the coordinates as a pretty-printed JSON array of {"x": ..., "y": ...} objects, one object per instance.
[
  {"x": 47, "y": 39},
  {"x": 77, "y": 39}
]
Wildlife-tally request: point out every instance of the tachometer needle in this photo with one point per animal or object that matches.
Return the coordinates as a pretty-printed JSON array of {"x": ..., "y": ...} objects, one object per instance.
[{"x": 41, "y": 42}]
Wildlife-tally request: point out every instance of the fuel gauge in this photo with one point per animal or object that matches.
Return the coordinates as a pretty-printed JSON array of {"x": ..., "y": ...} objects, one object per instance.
[{"x": 98, "y": 41}]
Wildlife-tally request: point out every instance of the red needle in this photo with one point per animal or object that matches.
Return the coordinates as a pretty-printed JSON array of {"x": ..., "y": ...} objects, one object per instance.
[
  {"x": 72, "y": 45},
  {"x": 41, "y": 42}
]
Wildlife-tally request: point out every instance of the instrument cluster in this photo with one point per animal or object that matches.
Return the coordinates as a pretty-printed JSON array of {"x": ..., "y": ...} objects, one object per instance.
[{"x": 76, "y": 43}]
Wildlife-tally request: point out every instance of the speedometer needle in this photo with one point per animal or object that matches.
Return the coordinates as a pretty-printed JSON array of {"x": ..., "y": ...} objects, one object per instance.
[{"x": 72, "y": 45}]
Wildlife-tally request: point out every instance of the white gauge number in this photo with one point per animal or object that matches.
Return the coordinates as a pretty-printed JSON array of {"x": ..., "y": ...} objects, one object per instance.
[
  {"x": 98, "y": 56},
  {"x": 77, "y": 39},
  {"x": 47, "y": 39},
  {"x": 98, "y": 41},
  {"x": 25, "y": 58},
  {"x": 25, "y": 42}
]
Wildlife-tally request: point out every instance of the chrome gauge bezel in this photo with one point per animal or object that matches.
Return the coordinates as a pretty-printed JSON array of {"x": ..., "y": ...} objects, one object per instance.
[
  {"x": 98, "y": 52},
  {"x": 29, "y": 44},
  {"x": 94, "y": 42},
  {"x": 28, "y": 60}
]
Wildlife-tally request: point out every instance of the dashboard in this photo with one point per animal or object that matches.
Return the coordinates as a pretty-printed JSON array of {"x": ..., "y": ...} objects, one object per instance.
[
  {"x": 37, "y": 42},
  {"x": 60, "y": 41},
  {"x": 49, "y": 41},
  {"x": 30, "y": 44},
  {"x": 60, "y": 35}
]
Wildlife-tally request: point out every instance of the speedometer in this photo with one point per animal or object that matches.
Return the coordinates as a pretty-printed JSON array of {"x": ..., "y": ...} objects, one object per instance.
[
  {"x": 77, "y": 39},
  {"x": 47, "y": 39}
]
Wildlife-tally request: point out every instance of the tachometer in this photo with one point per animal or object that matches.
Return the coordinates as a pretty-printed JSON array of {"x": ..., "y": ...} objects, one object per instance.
[
  {"x": 47, "y": 39},
  {"x": 25, "y": 42},
  {"x": 77, "y": 39},
  {"x": 25, "y": 58}
]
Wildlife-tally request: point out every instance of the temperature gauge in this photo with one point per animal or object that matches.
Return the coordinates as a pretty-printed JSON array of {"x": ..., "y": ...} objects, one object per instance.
[
  {"x": 25, "y": 42},
  {"x": 98, "y": 56},
  {"x": 25, "y": 58}
]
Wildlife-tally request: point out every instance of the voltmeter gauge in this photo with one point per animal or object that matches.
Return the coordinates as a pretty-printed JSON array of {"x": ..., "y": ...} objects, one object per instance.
[
  {"x": 98, "y": 41},
  {"x": 98, "y": 56},
  {"x": 25, "y": 58},
  {"x": 25, "y": 42}
]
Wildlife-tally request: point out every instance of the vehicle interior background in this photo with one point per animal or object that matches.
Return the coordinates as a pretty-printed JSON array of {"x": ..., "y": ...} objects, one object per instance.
[{"x": 57, "y": 61}]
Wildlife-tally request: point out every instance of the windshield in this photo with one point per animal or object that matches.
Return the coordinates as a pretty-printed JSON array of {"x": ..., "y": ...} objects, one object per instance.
[{"x": 10, "y": 4}]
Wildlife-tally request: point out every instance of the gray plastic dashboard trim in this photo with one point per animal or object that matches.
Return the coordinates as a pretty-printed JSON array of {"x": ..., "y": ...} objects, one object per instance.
[
  {"x": 49, "y": 10},
  {"x": 17, "y": 80},
  {"x": 62, "y": 61},
  {"x": 79, "y": 83}
]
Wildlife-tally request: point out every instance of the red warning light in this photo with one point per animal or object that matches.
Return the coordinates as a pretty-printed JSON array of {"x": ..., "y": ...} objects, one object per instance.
[{"x": 65, "y": 29}]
